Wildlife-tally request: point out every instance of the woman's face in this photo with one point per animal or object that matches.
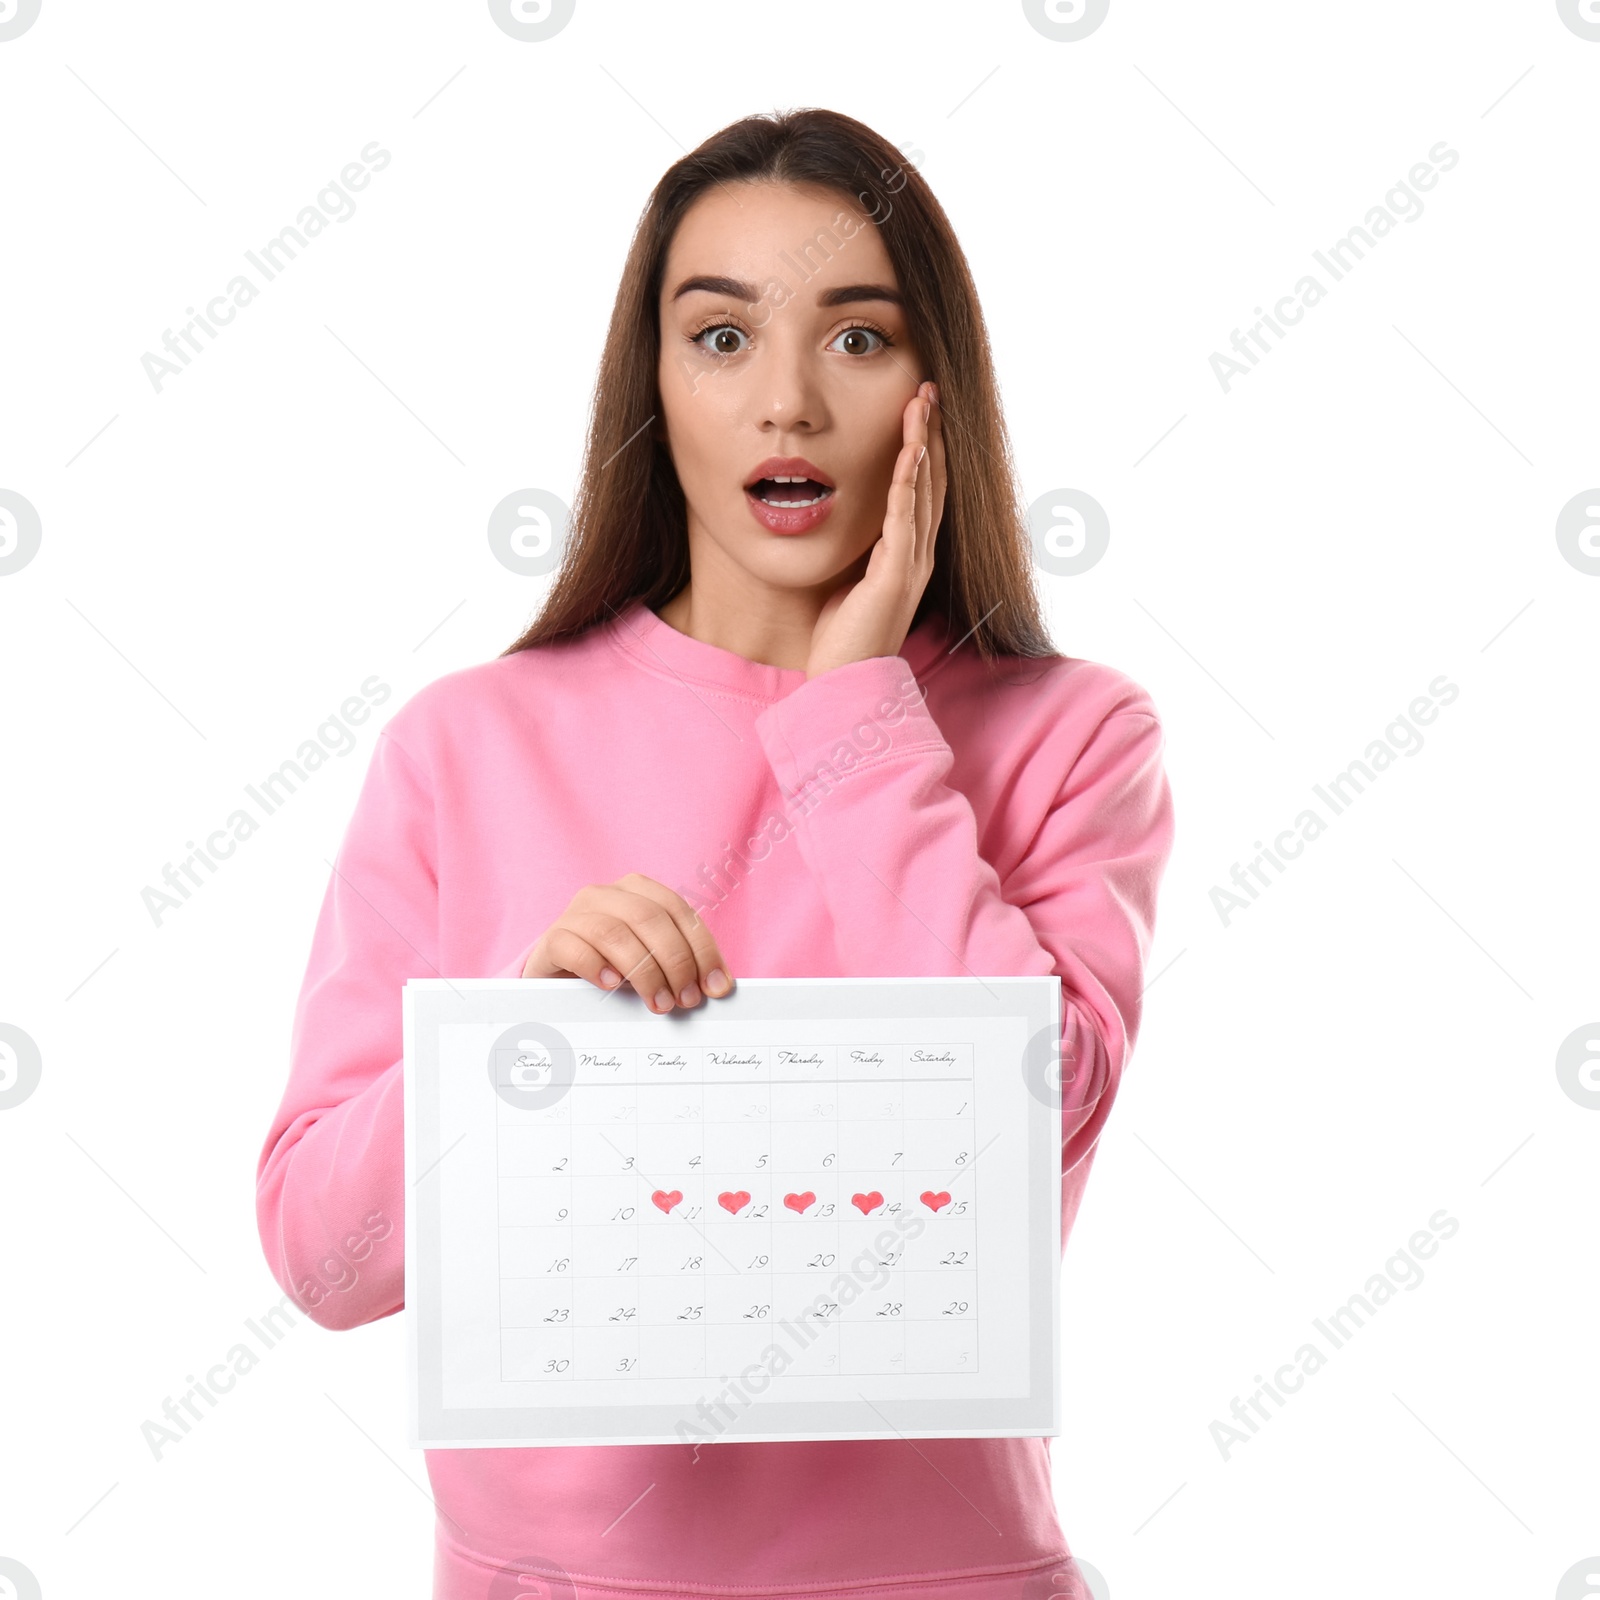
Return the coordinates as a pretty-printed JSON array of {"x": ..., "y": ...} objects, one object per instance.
[{"x": 782, "y": 337}]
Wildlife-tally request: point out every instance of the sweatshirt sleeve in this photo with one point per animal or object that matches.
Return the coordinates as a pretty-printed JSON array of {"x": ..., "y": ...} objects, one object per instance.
[
  {"x": 330, "y": 1181},
  {"x": 894, "y": 849}
]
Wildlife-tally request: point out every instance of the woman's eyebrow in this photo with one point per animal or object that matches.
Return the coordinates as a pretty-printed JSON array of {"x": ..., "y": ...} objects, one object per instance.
[
  {"x": 714, "y": 285},
  {"x": 860, "y": 291},
  {"x": 849, "y": 294}
]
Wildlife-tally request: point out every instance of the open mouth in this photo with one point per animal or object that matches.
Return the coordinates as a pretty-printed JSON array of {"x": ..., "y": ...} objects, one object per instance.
[{"x": 789, "y": 494}]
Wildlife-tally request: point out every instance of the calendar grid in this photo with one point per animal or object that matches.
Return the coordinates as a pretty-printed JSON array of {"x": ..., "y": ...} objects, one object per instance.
[{"x": 680, "y": 1212}]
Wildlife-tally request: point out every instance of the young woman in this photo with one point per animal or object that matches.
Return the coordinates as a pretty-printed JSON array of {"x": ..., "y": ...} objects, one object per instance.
[{"x": 789, "y": 710}]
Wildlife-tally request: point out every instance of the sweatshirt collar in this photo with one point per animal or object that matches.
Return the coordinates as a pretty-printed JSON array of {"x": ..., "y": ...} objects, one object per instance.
[{"x": 660, "y": 648}]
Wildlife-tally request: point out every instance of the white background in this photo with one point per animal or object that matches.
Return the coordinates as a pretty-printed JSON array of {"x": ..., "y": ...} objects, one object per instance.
[{"x": 1290, "y": 565}]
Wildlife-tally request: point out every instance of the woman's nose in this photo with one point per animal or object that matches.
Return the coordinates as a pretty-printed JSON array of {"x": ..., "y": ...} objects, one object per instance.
[{"x": 789, "y": 396}]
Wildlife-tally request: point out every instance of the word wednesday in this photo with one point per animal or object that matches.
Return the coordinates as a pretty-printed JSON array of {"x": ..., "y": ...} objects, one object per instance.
[
  {"x": 333, "y": 204},
  {"x": 1401, "y": 204}
]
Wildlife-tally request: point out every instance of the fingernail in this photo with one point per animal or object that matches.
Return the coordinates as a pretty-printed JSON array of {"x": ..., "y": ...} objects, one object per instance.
[
  {"x": 933, "y": 389},
  {"x": 664, "y": 1000},
  {"x": 716, "y": 981},
  {"x": 690, "y": 995},
  {"x": 927, "y": 410},
  {"x": 609, "y": 978}
]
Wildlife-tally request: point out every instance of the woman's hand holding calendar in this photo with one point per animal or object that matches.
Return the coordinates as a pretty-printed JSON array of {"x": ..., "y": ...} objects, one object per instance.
[{"x": 633, "y": 931}]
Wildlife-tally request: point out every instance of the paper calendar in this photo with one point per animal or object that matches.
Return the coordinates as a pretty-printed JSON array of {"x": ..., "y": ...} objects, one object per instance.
[{"x": 815, "y": 1209}]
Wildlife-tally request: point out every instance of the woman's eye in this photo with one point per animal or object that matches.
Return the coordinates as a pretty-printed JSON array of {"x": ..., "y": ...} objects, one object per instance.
[
  {"x": 860, "y": 334},
  {"x": 722, "y": 343}
]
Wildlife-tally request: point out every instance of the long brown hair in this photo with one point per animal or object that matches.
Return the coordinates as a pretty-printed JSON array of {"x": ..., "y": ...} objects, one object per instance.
[{"x": 627, "y": 537}]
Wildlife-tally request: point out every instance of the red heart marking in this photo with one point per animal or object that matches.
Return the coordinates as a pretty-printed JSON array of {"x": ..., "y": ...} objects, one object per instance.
[
  {"x": 934, "y": 1201},
  {"x": 866, "y": 1201},
  {"x": 667, "y": 1198},
  {"x": 798, "y": 1202},
  {"x": 733, "y": 1200}
]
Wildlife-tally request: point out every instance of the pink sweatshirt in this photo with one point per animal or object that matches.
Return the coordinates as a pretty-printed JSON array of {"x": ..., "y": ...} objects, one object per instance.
[{"x": 855, "y": 824}]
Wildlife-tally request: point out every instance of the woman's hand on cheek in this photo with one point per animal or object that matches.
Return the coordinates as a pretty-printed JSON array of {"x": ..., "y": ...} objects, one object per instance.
[{"x": 872, "y": 616}]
